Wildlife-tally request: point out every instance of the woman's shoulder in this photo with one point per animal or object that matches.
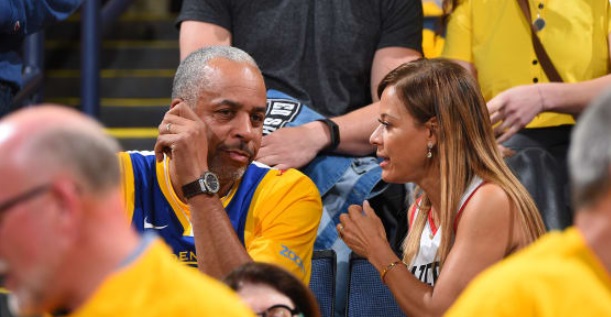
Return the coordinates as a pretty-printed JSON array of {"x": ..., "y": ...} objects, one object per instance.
[{"x": 489, "y": 203}]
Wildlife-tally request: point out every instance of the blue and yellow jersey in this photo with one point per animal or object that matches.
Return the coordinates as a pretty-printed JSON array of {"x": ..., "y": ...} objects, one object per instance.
[
  {"x": 274, "y": 213},
  {"x": 432, "y": 41}
]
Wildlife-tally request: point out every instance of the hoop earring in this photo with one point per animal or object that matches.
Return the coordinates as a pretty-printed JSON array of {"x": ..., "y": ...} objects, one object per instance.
[{"x": 429, "y": 154}]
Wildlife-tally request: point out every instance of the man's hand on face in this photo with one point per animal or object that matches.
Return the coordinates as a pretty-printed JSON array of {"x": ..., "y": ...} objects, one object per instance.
[{"x": 184, "y": 138}]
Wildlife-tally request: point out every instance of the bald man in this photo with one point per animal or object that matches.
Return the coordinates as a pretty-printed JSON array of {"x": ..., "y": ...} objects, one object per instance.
[{"x": 65, "y": 245}]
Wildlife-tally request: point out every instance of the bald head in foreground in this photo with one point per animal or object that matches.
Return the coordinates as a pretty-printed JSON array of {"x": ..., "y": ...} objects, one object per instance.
[{"x": 65, "y": 244}]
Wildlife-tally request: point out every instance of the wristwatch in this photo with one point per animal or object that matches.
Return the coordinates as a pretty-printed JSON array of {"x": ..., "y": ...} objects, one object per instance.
[{"x": 207, "y": 184}]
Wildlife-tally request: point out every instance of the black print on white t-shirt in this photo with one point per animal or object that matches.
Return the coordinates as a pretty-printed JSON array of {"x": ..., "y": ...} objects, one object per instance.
[
  {"x": 425, "y": 272},
  {"x": 279, "y": 112}
]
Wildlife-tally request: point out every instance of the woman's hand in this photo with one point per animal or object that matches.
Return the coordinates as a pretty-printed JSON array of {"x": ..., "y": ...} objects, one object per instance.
[{"x": 362, "y": 230}]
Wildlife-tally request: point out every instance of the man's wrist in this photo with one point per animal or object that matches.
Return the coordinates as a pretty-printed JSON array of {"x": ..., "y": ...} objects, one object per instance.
[{"x": 334, "y": 136}]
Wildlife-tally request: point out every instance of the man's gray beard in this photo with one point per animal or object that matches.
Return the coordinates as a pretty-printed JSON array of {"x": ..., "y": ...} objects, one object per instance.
[{"x": 227, "y": 174}]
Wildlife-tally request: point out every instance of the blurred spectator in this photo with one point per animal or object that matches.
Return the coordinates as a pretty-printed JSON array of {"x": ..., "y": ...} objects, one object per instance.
[
  {"x": 65, "y": 247},
  {"x": 271, "y": 291},
  {"x": 19, "y": 18}
]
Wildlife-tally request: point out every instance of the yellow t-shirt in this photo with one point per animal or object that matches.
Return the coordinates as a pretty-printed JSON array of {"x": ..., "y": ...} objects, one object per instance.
[
  {"x": 495, "y": 38},
  {"x": 282, "y": 211},
  {"x": 156, "y": 285},
  {"x": 556, "y": 276}
]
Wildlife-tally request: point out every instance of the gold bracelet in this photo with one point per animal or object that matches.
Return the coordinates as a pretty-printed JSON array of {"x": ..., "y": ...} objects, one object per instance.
[{"x": 390, "y": 267}]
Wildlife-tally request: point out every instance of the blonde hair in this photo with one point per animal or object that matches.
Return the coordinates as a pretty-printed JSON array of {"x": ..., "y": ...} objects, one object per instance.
[{"x": 438, "y": 88}]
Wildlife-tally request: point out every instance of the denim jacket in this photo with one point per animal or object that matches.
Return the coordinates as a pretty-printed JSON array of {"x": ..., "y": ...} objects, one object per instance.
[{"x": 341, "y": 180}]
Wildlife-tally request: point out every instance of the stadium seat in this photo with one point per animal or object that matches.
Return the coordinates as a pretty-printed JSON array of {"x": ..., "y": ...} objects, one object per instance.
[
  {"x": 322, "y": 282},
  {"x": 367, "y": 295},
  {"x": 4, "y": 311}
]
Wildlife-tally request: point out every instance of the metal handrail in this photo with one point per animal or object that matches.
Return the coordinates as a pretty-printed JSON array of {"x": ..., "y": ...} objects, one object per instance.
[
  {"x": 90, "y": 57},
  {"x": 33, "y": 61},
  {"x": 94, "y": 24}
]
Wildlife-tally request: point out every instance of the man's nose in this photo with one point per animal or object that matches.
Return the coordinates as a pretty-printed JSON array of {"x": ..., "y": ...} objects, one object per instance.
[{"x": 243, "y": 128}]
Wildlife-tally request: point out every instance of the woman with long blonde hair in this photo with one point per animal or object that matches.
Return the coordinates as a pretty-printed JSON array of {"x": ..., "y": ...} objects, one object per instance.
[{"x": 471, "y": 212}]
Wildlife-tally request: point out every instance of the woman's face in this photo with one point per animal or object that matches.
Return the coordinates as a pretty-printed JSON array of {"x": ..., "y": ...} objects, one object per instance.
[
  {"x": 401, "y": 141},
  {"x": 260, "y": 297}
]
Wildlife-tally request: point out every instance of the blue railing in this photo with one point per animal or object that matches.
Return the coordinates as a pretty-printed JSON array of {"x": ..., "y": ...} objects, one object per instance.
[
  {"x": 33, "y": 61},
  {"x": 95, "y": 23}
]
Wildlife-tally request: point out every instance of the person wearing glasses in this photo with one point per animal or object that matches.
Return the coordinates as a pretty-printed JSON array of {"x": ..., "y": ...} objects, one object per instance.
[
  {"x": 271, "y": 291},
  {"x": 65, "y": 247}
]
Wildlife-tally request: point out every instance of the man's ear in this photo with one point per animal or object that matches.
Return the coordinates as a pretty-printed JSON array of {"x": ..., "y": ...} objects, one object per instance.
[
  {"x": 70, "y": 204},
  {"x": 175, "y": 102}
]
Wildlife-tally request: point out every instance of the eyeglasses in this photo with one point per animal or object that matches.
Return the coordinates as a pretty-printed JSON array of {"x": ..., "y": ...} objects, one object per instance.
[
  {"x": 279, "y": 311},
  {"x": 21, "y": 198}
]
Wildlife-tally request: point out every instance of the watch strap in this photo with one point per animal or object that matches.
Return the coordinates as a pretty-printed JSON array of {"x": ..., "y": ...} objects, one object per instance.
[
  {"x": 207, "y": 183},
  {"x": 333, "y": 133},
  {"x": 193, "y": 189}
]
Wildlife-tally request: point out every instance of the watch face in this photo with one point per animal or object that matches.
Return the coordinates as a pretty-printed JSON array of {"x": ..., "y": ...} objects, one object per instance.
[{"x": 212, "y": 183}]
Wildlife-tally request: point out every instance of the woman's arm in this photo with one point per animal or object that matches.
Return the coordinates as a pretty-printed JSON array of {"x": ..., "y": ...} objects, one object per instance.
[{"x": 483, "y": 238}]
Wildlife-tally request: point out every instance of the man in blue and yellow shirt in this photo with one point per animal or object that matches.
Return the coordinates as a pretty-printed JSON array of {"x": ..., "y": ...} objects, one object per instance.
[{"x": 200, "y": 189}]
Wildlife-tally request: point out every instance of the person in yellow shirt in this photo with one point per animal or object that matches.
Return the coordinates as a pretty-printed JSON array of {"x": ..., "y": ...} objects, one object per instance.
[
  {"x": 492, "y": 39},
  {"x": 65, "y": 247},
  {"x": 564, "y": 273}
]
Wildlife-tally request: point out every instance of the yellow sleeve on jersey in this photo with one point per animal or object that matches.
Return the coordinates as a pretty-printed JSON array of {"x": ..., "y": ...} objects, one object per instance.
[
  {"x": 127, "y": 183},
  {"x": 283, "y": 221}
]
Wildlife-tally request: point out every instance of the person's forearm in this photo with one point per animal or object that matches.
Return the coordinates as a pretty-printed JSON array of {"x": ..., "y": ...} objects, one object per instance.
[
  {"x": 355, "y": 128},
  {"x": 572, "y": 98},
  {"x": 195, "y": 35},
  {"x": 413, "y": 296},
  {"x": 218, "y": 248}
]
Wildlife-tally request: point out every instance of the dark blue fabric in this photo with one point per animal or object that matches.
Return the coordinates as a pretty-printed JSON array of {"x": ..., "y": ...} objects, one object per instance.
[
  {"x": 367, "y": 295},
  {"x": 19, "y": 18},
  {"x": 322, "y": 281},
  {"x": 239, "y": 206},
  {"x": 342, "y": 179},
  {"x": 152, "y": 212},
  {"x": 6, "y": 97},
  {"x": 540, "y": 163}
]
